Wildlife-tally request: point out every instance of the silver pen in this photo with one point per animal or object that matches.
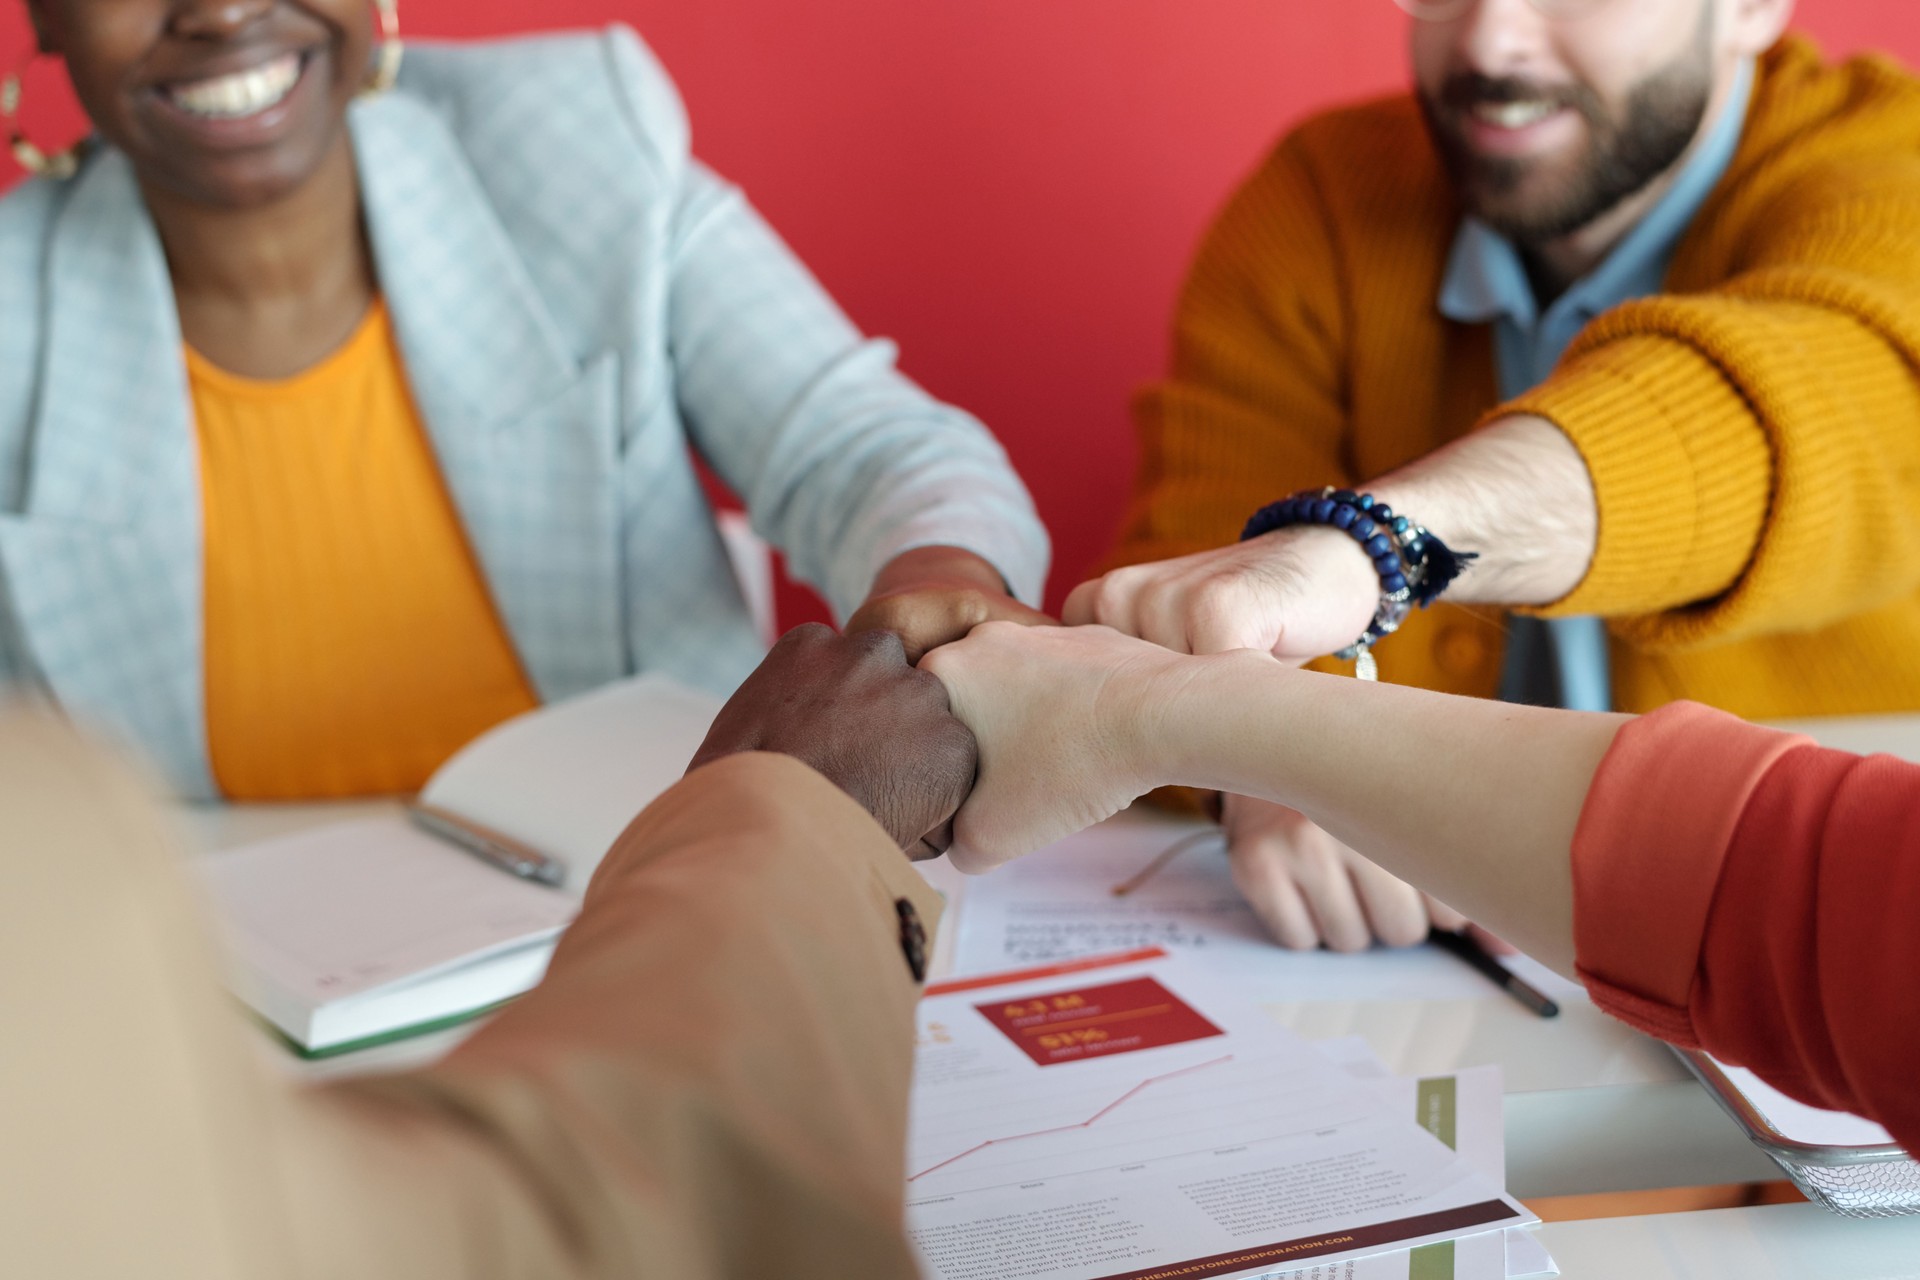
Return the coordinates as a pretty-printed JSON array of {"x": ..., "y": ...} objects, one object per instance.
[{"x": 489, "y": 845}]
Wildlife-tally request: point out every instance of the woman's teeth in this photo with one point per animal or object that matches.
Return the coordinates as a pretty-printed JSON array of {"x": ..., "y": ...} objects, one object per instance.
[
  {"x": 1513, "y": 115},
  {"x": 243, "y": 93}
]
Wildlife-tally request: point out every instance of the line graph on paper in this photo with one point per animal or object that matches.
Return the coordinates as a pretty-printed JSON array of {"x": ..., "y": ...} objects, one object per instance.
[
  {"x": 1107, "y": 1116},
  {"x": 1088, "y": 1123}
]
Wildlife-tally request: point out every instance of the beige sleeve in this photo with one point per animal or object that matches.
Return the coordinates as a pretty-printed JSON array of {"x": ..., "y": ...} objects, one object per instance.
[
  {"x": 130, "y": 1113},
  {"x": 711, "y": 1082}
]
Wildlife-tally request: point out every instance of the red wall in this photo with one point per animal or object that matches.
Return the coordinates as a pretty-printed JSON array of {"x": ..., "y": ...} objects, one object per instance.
[{"x": 1008, "y": 187}]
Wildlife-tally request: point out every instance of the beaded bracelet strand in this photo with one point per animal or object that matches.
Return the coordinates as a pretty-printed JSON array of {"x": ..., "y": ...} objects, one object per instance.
[{"x": 1413, "y": 565}]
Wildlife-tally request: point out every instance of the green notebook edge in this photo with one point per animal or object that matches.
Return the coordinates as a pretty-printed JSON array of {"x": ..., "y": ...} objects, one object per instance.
[{"x": 409, "y": 1032}]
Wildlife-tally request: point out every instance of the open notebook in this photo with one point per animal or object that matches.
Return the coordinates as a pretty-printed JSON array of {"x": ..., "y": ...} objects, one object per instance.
[{"x": 364, "y": 931}]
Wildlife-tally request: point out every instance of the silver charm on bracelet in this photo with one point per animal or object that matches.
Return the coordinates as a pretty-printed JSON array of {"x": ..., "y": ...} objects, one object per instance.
[{"x": 1387, "y": 617}]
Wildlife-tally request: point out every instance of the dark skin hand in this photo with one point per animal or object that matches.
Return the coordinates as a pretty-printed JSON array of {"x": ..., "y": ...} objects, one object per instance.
[
  {"x": 853, "y": 709},
  {"x": 932, "y": 596}
]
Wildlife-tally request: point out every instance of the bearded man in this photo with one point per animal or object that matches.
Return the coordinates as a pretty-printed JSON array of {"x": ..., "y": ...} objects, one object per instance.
[{"x": 1625, "y": 300}]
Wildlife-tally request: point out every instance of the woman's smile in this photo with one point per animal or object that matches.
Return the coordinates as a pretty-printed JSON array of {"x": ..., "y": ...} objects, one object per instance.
[
  {"x": 228, "y": 104},
  {"x": 239, "y": 93},
  {"x": 247, "y": 103}
]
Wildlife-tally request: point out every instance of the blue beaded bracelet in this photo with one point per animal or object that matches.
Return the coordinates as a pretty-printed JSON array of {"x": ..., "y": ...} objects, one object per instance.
[{"x": 1413, "y": 565}]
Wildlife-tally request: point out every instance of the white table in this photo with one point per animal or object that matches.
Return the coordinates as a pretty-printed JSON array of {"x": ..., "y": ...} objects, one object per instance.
[
  {"x": 1780, "y": 1242},
  {"x": 1591, "y": 1106}
]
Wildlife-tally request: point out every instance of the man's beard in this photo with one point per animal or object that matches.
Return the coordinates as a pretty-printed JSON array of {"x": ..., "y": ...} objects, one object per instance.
[{"x": 1661, "y": 117}]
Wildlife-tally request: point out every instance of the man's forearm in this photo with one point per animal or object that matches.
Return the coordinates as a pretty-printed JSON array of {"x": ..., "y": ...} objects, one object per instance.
[{"x": 1518, "y": 495}]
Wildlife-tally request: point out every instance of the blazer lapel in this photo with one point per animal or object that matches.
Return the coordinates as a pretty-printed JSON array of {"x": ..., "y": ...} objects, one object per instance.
[
  {"x": 526, "y": 437},
  {"x": 104, "y": 562}
]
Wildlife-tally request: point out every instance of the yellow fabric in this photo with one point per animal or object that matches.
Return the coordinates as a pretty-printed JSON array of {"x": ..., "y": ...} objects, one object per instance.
[
  {"x": 1753, "y": 433},
  {"x": 351, "y": 644}
]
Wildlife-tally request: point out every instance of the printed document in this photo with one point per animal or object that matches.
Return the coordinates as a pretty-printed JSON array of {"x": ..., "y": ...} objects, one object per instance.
[
  {"x": 1462, "y": 1109},
  {"x": 1129, "y": 1118},
  {"x": 1059, "y": 902}
]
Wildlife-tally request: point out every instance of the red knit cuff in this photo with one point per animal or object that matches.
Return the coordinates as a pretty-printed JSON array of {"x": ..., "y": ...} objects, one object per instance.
[
  {"x": 1648, "y": 851},
  {"x": 1661, "y": 1021}
]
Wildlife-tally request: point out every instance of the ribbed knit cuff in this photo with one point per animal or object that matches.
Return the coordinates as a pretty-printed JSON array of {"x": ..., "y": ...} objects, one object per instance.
[
  {"x": 1681, "y": 471},
  {"x": 1653, "y": 835}
]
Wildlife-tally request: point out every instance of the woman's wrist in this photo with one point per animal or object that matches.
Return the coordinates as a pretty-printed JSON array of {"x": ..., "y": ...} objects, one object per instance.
[{"x": 1178, "y": 731}]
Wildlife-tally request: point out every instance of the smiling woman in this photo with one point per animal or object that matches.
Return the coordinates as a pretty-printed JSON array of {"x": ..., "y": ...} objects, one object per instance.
[
  {"x": 230, "y": 104},
  {"x": 361, "y": 406}
]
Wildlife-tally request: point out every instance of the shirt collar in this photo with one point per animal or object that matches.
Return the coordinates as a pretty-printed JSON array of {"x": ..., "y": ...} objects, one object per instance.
[{"x": 1486, "y": 279}]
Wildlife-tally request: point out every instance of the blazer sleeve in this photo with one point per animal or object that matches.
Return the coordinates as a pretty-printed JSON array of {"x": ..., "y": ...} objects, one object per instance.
[
  {"x": 12, "y": 659},
  {"x": 711, "y": 1082},
  {"x": 1759, "y": 904},
  {"x": 843, "y": 462},
  {"x": 1254, "y": 405}
]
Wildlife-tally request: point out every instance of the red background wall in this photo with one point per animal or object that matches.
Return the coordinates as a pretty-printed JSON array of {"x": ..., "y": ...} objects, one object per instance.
[{"x": 1010, "y": 188}]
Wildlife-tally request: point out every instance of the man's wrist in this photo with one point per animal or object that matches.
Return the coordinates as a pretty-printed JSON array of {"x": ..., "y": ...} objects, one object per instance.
[
  {"x": 1518, "y": 495},
  {"x": 943, "y": 564}
]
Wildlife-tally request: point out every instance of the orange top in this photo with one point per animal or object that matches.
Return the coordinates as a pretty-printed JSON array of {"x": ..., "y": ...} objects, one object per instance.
[
  {"x": 1744, "y": 891},
  {"x": 351, "y": 645},
  {"x": 1749, "y": 432}
]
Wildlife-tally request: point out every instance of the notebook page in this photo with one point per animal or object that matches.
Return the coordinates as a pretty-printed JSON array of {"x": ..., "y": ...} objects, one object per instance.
[
  {"x": 340, "y": 910},
  {"x": 567, "y": 779}
]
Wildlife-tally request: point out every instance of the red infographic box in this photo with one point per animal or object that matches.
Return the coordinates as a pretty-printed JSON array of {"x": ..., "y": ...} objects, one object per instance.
[{"x": 1097, "y": 1022}]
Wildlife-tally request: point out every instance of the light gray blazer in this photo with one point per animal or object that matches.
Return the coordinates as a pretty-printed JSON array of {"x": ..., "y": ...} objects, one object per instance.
[{"x": 577, "y": 301}]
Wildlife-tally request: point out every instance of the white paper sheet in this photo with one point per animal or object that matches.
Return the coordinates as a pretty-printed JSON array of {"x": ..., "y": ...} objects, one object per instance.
[
  {"x": 1477, "y": 1129},
  {"x": 342, "y": 910},
  {"x": 568, "y": 778},
  {"x": 1059, "y": 902},
  {"x": 1126, "y": 1118},
  {"x": 1802, "y": 1123}
]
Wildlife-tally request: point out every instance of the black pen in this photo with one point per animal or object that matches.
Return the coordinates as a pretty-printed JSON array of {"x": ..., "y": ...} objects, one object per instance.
[{"x": 1469, "y": 949}]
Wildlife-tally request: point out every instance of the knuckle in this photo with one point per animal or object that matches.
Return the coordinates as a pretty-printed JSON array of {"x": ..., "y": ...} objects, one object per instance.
[
  {"x": 1298, "y": 937},
  {"x": 1216, "y": 606},
  {"x": 807, "y": 634},
  {"x": 1399, "y": 929},
  {"x": 1348, "y": 939},
  {"x": 926, "y": 688},
  {"x": 1311, "y": 852},
  {"x": 1105, "y": 598},
  {"x": 884, "y": 644},
  {"x": 942, "y": 665}
]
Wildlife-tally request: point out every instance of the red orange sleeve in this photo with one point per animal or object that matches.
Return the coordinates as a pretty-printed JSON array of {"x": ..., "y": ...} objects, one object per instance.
[{"x": 1741, "y": 890}]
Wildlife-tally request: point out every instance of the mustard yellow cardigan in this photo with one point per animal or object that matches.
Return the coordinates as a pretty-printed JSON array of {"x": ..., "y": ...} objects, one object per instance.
[{"x": 1753, "y": 432}]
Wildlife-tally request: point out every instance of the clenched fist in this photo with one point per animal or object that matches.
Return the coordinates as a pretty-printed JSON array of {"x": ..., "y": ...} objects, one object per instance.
[{"x": 854, "y": 710}]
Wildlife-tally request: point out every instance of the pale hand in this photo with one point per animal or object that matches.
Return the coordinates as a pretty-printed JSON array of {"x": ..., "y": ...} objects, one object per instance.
[
  {"x": 1066, "y": 720},
  {"x": 1296, "y": 593},
  {"x": 1310, "y": 890}
]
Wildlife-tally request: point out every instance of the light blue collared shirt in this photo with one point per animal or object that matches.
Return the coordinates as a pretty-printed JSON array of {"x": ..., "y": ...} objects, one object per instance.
[{"x": 1486, "y": 281}]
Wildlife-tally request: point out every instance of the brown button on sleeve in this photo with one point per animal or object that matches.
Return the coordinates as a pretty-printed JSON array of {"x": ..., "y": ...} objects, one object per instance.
[{"x": 913, "y": 939}]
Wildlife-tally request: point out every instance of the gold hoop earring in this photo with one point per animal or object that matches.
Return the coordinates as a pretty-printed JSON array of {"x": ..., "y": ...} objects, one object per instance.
[
  {"x": 60, "y": 165},
  {"x": 386, "y": 60}
]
